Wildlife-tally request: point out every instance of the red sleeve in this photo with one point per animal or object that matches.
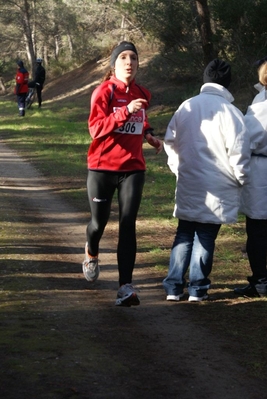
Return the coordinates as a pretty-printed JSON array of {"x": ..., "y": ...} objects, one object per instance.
[{"x": 102, "y": 121}]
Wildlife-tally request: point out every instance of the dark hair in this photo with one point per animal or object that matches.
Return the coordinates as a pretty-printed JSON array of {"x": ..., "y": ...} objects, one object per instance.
[{"x": 108, "y": 75}]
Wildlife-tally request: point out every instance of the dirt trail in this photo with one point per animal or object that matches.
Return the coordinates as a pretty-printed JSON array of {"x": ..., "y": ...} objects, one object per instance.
[{"x": 63, "y": 338}]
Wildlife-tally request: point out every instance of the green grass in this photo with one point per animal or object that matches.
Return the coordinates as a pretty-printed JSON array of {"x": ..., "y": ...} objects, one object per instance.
[
  {"x": 47, "y": 136},
  {"x": 56, "y": 141}
]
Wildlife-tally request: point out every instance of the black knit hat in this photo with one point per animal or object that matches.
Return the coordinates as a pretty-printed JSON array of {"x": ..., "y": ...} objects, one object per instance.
[
  {"x": 218, "y": 71},
  {"x": 123, "y": 46},
  {"x": 258, "y": 63},
  {"x": 20, "y": 63}
]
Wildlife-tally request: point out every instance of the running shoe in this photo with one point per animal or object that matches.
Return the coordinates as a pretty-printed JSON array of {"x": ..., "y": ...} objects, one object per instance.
[
  {"x": 198, "y": 298},
  {"x": 175, "y": 298},
  {"x": 127, "y": 296},
  {"x": 90, "y": 266}
]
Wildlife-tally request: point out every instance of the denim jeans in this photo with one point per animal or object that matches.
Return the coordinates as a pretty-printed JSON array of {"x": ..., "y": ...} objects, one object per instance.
[{"x": 193, "y": 246}]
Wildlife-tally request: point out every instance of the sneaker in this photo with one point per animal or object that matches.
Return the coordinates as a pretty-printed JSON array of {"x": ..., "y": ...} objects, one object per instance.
[
  {"x": 127, "y": 296},
  {"x": 198, "y": 298},
  {"x": 90, "y": 266},
  {"x": 253, "y": 290},
  {"x": 174, "y": 297},
  {"x": 247, "y": 291},
  {"x": 261, "y": 286}
]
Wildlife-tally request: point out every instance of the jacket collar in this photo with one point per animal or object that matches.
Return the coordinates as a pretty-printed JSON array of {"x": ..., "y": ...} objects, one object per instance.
[
  {"x": 121, "y": 85},
  {"x": 219, "y": 90}
]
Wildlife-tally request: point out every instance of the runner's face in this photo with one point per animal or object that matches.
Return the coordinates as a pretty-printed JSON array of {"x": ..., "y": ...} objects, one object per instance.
[{"x": 126, "y": 66}]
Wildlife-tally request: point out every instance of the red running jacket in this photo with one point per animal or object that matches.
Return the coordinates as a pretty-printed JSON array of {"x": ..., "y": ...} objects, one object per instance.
[
  {"x": 117, "y": 135},
  {"x": 22, "y": 78}
]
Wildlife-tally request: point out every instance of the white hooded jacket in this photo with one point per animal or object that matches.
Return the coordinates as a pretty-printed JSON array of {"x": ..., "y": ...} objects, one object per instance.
[
  {"x": 261, "y": 96},
  {"x": 208, "y": 150},
  {"x": 254, "y": 195}
]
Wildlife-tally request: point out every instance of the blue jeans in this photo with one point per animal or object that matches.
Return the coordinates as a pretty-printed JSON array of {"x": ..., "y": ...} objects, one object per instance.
[
  {"x": 21, "y": 103},
  {"x": 193, "y": 246}
]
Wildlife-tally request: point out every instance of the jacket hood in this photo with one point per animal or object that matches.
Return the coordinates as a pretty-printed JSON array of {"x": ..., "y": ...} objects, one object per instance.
[{"x": 23, "y": 70}]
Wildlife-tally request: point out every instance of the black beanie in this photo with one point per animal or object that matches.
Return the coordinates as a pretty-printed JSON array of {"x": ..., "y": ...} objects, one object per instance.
[
  {"x": 123, "y": 46},
  {"x": 259, "y": 63},
  {"x": 218, "y": 71},
  {"x": 20, "y": 64}
]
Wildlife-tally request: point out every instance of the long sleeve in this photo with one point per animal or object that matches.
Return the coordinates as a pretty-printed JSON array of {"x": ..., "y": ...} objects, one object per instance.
[{"x": 170, "y": 146}]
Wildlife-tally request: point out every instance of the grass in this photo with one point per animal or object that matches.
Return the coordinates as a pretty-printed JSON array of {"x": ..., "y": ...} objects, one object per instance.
[{"x": 56, "y": 140}]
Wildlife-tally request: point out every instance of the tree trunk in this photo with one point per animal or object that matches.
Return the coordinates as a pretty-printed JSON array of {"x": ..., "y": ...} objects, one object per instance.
[
  {"x": 26, "y": 20},
  {"x": 70, "y": 44},
  {"x": 204, "y": 27},
  {"x": 56, "y": 52},
  {"x": 2, "y": 85}
]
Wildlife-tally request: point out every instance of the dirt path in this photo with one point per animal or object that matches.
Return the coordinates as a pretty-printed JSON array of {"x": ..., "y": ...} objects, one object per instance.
[{"x": 63, "y": 338}]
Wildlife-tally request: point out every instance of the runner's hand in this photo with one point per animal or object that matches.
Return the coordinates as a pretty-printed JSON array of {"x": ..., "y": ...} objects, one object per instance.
[{"x": 136, "y": 105}]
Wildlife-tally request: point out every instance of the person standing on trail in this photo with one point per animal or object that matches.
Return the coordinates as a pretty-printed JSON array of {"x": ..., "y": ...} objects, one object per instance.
[
  {"x": 117, "y": 124},
  {"x": 208, "y": 150},
  {"x": 254, "y": 194},
  {"x": 21, "y": 88},
  {"x": 39, "y": 79}
]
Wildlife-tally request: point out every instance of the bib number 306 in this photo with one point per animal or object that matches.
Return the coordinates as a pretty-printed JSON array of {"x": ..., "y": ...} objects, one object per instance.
[
  {"x": 129, "y": 127},
  {"x": 134, "y": 125}
]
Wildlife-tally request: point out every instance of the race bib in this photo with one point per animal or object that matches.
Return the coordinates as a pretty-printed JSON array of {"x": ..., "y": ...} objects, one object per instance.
[{"x": 134, "y": 125}]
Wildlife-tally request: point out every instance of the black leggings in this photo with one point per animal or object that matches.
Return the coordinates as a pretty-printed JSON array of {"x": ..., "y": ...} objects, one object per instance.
[
  {"x": 39, "y": 89},
  {"x": 257, "y": 246},
  {"x": 100, "y": 189}
]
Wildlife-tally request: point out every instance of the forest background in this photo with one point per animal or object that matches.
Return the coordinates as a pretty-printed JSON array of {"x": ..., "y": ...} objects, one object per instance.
[{"x": 184, "y": 35}]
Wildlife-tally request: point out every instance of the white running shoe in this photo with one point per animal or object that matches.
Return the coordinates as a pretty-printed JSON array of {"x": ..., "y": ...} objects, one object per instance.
[
  {"x": 90, "y": 267},
  {"x": 127, "y": 296},
  {"x": 175, "y": 298},
  {"x": 198, "y": 298}
]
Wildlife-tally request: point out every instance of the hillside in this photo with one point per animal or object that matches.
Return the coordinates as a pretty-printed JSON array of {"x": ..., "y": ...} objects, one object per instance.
[{"x": 78, "y": 84}]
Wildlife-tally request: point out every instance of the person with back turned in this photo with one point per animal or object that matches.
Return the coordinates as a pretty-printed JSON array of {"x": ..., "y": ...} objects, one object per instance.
[
  {"x": 254, "y": 195},
  {"x": 21, "y": 88},
  {"x": 208, "y": 150},
  {"x": 39, "y": 79}
]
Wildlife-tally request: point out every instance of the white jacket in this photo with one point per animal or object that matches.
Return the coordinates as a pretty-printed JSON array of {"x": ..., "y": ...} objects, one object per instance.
[
  {"x": 261, "y": 96},
  {"x": 254, "y": 195},
  {"x": 208, "y": 150}
]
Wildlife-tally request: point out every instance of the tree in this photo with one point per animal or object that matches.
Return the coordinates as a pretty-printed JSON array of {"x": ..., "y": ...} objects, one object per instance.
[
  {"x": 179, "y": 24},
  {"x": 22, "y": 11},
  {"x": 241, "y": 34},
  {"x": 205, "y": 32},
  {"x": 189, "y": 33}
]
